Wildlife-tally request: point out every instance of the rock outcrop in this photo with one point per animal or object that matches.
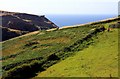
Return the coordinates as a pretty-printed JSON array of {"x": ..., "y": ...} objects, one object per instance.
[{"x": 23, "y": 22}]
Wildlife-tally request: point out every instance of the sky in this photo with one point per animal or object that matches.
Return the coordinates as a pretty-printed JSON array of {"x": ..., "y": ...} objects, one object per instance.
[{"x": 42, "y": 7}]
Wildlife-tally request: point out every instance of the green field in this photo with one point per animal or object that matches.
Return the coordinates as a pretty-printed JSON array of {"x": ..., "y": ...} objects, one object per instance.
[
  {"x": 41, "y": 45},
  {"x": 76, "y": 51},
  {"x": 98, "y": 60}
]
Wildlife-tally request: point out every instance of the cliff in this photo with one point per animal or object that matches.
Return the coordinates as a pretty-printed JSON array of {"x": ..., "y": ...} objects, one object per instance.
[
  {"x": 24, "y": 22},
  {"x": 8, "y": 33}
]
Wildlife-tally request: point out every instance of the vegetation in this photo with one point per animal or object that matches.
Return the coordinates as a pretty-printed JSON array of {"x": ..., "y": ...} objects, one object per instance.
[
  {"x": 98, "y": 60},
  {"x": 36, "y": 52}
]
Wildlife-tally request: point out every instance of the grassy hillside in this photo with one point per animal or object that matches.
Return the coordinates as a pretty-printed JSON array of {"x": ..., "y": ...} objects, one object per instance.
[
  {"x": 40, "y": 46},
  {"x": 98, "y": 60},
  {"x": 24, "y": 56}
]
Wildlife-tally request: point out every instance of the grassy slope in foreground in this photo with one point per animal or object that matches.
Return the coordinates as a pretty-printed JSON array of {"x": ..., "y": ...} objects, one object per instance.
[
  {"x": 98, "y": 60},
  {"x": 23, "y": 53}
]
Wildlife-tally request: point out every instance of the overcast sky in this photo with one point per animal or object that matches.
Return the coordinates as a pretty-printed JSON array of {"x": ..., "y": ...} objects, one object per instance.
[{"x": 61, "y": 6}]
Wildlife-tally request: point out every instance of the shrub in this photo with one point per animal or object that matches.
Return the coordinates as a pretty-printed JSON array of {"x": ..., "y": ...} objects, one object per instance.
[
  {"x": 53, "y": 57},
  {"x": 67, "y": 49},
  {"x": 24, "y": 71}
]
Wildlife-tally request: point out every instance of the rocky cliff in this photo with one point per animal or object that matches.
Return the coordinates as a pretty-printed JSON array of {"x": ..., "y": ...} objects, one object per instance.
[{"x": 23, "y": 22}]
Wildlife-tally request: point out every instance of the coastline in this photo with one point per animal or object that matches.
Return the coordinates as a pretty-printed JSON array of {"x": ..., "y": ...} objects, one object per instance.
[{"x": 88, "y": 23}]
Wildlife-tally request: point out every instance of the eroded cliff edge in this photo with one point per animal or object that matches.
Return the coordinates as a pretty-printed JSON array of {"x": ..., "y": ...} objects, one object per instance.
[{"x": 22, "y": 23}]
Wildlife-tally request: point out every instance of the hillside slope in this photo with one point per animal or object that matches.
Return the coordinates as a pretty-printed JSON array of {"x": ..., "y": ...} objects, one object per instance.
[
  {"x": 8, "y": 33},
  {"x": 25, "y": 56},
  {"x": 24, "y": 22},
  {"x": 98, "y": 60}
]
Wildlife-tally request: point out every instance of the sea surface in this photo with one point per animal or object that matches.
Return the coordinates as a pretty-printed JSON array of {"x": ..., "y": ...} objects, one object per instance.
[{"x": 68, "y": 20}]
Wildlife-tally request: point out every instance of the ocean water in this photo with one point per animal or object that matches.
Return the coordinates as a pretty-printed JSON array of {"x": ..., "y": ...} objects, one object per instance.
[{"x": 68, "y": 20}]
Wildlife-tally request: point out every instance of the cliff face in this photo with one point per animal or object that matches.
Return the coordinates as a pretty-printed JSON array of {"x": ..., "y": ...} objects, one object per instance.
[
  {"x": 24, "y": 22},
  {"x": 8, "y": 33}
]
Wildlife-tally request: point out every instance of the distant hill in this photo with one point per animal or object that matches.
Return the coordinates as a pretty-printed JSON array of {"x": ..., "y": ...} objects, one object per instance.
[
  {"x": 8, "y": 33},
  {"x": 24, "y": 22}
]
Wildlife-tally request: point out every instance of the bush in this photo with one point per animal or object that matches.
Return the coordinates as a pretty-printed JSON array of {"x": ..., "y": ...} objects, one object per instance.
[
  {"x": 67, "y": 49},
  {"x": 53, "y": 57},
  {"x": 24, "y": 71}
]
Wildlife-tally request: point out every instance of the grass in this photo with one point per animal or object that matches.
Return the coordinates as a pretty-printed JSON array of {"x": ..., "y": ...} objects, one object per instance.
[
  {"x": 25, "y": 50},
  {"x": 98, "y": 60},
  {"x": 48, "y": 43},
  {"x": 49, "y": 47},
  {"x": 35, "y": 46}
]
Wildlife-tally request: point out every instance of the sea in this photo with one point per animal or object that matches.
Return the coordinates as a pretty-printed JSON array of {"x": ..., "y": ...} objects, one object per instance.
[{"x": 69, "y": 20}]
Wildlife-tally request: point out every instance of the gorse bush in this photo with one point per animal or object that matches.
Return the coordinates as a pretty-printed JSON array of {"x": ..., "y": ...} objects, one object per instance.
[{"x": 53, "y": 57}]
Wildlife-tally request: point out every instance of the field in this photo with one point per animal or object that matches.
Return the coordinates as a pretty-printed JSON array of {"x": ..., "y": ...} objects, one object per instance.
[
  {"x": 98, "y": 60},
  {"x": 27, "y": 56},
  {"x": 42, "y": 44}
]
